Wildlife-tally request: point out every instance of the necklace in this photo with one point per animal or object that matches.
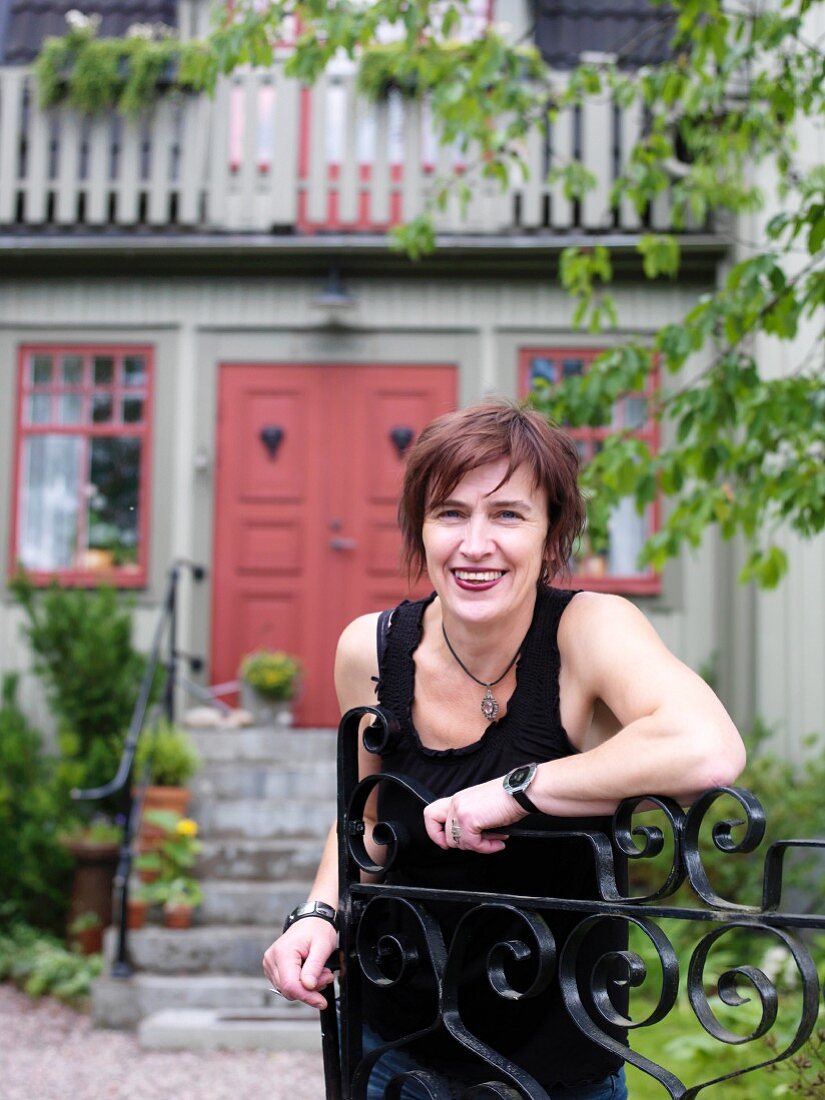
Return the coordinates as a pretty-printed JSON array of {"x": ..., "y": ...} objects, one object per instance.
[{"x": 489, "y": 704}]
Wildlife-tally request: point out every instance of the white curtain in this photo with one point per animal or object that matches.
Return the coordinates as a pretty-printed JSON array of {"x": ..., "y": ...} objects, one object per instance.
[{"x": 49, "y": 501}]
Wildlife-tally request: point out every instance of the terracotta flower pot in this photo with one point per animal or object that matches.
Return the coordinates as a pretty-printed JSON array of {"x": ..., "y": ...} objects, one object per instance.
[
  {"x": 177, "y": 916},
  {"x": 136, "y": 914},
  {"x": 94, "y": 873},
  {"x": 173, "y": 799},
  {"x": 88, "y": 941}
]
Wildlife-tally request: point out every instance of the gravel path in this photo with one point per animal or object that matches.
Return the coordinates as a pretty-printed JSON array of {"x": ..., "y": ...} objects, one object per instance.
[{"x": 50, "y": 1052}]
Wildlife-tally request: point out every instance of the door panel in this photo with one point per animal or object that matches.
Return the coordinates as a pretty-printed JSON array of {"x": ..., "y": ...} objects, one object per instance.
[{"x": 305, "y": 536}]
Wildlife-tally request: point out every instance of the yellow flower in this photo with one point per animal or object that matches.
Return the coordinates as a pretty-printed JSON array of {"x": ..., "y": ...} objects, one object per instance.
[{"x": 187, "y": 827}]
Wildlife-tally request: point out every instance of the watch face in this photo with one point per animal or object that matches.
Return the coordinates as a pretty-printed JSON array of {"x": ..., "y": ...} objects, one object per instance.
[{"x": 519, "y": 775}]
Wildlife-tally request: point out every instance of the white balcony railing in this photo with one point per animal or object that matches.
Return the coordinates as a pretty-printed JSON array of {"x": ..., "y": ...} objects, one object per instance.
[{"x": 267, "y": 155}]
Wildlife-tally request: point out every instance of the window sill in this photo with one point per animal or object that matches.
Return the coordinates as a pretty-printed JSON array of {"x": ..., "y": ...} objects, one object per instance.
[{"x": 76, "y": 578}]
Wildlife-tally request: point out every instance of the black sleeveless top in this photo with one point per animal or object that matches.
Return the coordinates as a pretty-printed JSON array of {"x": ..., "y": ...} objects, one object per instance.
[{"x": 534, "y": 1032}]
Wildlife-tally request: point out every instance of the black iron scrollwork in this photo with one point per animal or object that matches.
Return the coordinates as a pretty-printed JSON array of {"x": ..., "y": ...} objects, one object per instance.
[{"x": 517, "y": 958}]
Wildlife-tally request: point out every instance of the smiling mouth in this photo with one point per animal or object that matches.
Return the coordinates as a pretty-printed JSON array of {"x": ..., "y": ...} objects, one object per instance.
[{"x": 474, "y": 576}]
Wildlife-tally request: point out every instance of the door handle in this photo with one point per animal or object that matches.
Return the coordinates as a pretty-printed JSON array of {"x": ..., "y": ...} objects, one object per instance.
[{"x": 343, "y": 544}]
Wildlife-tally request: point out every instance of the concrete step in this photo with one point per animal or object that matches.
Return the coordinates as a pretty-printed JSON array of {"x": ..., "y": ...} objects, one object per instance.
[
  {"x": 124, "y": 1002},
  {"x": 256, "y": 780},
  {"x": 287, "y": 746},
  {"x": 266, "y": 860},
  {"x": 265, "y": 818},
  {"x": 210, "y": 1029},
  {"x": 265, "y": 903},
  {"x": 203, "y": 949}
]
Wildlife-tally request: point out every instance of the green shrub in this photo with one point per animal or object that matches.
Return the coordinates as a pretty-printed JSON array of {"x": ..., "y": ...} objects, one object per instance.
[
  {"x": 34, "y": 866},
  {"x": 81, "y": 642},
  {"x": 40, "y": 965},
  {"x": 169, "y": 754}
]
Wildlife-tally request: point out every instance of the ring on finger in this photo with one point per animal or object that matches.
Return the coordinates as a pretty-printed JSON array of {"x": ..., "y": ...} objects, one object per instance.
[{"x": 455, "y": 831}]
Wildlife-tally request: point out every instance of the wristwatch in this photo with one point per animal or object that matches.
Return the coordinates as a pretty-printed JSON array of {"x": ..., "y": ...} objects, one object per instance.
[
  {"x": 312, "y": 909},
  {"x": 516, "y": 783}
]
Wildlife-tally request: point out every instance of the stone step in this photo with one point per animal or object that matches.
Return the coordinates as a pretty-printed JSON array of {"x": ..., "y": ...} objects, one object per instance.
[
  {"x": 203, "y": 949},
  {"x": 210, "y": 1029},
  {"x": 256, "y": 780},
  {"x": 264, "y": 903},
  {"x": 289, "y": 747},
  {"x": 266, "y": 818},
  {"x": 124, "y": 1002},
  {"x": 265, "y": 860}
]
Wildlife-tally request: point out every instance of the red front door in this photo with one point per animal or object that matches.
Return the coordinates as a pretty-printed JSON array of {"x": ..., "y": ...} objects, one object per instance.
[{"x": 308, "y": 477}]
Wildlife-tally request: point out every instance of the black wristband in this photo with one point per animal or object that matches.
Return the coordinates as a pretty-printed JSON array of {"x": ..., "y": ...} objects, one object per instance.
[{"x": 312, "y": 909}]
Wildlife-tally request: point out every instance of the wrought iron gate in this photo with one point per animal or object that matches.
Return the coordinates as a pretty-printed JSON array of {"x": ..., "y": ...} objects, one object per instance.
[{"x": 370, "y": 956}]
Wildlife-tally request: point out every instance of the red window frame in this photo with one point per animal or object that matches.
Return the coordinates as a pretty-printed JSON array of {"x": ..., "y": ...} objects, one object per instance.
[
  {"x": 648, "y": 583},
  {"x": 122, "y": 576}
]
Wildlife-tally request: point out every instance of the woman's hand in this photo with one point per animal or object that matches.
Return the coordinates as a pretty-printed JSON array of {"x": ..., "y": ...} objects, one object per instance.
[
  {"x": 464, "y": 820},
  {"x": 296, "y": 963}
]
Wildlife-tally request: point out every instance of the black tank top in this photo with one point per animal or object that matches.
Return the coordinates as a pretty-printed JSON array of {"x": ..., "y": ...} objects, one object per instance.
[{"x": 535, "y": 1033}]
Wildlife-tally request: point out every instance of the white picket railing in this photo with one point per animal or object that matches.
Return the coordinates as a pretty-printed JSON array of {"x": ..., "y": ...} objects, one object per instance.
[{"x": 267, "y": 155}]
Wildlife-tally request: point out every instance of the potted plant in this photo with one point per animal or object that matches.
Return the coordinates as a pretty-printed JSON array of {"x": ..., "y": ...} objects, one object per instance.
[
  {"x": 86, "y": 933},
  {"x": 270, "y": 681},
  {"x": 174, "y": 887},
  {"x": 137, "y": 908},
  {"x": 94, "y": 846},
  {"x": 183, "y": 896},
  {"x": 166, "y": 756}
]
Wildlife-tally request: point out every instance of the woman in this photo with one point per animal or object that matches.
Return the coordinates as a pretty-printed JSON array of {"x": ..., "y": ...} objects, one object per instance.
[{"x": 512, "y": 697}]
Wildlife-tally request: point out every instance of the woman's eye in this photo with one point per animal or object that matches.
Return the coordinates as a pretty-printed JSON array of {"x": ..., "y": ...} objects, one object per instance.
[{"x": 507, "y": 514}]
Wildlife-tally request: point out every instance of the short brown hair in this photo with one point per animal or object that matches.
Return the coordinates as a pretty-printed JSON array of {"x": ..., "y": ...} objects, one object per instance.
[{"x": 453, "y": 444}]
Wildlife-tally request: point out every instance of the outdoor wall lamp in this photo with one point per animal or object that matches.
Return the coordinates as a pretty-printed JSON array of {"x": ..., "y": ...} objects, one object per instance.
[{"x": 333, "y": 296}]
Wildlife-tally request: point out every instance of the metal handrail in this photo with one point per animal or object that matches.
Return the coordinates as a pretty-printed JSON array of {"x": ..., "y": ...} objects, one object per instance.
[{"x": 121, "y": 966}]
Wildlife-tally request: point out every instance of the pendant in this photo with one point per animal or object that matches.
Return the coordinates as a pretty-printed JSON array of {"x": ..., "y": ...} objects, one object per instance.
[{"x": 489, "y": 706}]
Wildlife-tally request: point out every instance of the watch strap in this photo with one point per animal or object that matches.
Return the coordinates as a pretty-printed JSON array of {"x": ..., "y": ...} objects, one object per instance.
[
  {"x": 319, "y": 909},
  {"x": 525, "y": 802}
]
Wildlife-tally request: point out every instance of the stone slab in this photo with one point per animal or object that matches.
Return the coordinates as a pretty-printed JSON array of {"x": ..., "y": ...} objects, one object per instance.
[
  {"x": 266, "y": 818},
  {"x": 265, "y": 903},
  {"x": 269, "y": 860},
  {"x": 265, "y": 743},
  {"x": 210, "y": 1029},
  {"x": 211, "y": 949},
  {"x": 121, "y": 1003}
]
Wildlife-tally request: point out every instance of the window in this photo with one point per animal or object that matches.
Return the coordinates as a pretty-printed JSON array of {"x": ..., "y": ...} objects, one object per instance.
[
  {"x": 614, "y": 570},
  {"x": 82, "y": 484}
]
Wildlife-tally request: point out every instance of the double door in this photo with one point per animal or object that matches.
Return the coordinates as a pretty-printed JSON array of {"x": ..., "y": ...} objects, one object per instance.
[{"x": 309, "y": 467}]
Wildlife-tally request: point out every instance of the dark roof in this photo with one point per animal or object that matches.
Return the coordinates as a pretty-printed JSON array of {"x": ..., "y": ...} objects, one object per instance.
[
  {"x": 635, "y": 30},
  {"x": 25, "y": 23}
]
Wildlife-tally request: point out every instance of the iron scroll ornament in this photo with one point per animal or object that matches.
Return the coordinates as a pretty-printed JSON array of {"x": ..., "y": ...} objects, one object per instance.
[{"x": 368, "y": 958}]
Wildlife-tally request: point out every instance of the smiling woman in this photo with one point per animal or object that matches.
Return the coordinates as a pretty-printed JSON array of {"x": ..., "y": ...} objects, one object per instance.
[{"x": 512, "y": 697}]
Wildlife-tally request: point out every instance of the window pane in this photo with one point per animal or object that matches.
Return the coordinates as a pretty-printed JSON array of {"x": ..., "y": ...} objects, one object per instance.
[
  {"x": 70, "y": 408},
  {"x": 635, "y": 412},
  {"x": 113, "y": 522},
  {"x": 72, "y": 370},
  {"x": 628, "y": 531},
  {"x": 134, "y": 370},
  {"x": 572, "y": 366},
  {"x": 132, "y": 410},
  {"x": 41, "y": 372},
  {"x": 50, "y": 475},
  {"x": 40, "y": 405},
  {"x": 101, "y": 408},
  {"x": 542, "y": 368},
  {"x": 104, "y": 370}
]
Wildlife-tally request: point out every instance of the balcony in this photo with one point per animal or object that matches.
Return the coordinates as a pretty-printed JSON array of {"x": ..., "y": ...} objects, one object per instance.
[{"x": 268, "y": 156}]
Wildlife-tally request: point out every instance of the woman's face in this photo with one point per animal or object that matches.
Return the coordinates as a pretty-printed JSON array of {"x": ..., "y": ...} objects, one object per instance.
[{"x": 484, "y": 545}]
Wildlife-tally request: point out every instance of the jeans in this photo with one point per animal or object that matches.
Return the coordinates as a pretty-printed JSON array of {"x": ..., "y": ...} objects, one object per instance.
[{"x": 398, "y": 1061}]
